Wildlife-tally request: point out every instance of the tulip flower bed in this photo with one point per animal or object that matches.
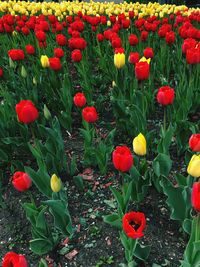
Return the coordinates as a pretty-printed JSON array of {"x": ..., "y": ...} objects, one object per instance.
[{"x": 99, "y": 134}]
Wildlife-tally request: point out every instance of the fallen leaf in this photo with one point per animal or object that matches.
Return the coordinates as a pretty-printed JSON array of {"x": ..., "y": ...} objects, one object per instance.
[{"x": 71, "y": 254}]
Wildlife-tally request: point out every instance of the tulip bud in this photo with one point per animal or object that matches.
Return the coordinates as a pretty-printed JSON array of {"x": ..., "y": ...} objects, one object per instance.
[
  {"x": 11, "y": 63},
  {"x": 34, "y": 81},
  {"x": 108, "y": 23},
  {"x": 55, "y": 183},
  {"x": 44, "y": 61},
  {"x": 194, "y": 166},
  {"x": 23, "y": 72},
  {"x": 140, "y": 145},
  {"x": 14, "y": 33},
  {"x": 119, "y": 60},
  {"x": 113, "y": 84},
  {"x": 47, "y": 113}
]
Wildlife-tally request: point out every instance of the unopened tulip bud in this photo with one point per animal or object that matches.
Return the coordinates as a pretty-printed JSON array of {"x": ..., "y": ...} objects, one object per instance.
[
  {"x": 11, "y": 63},
  {"x": 140, "y": 145},
  {"x": 113, "y": 84},
  {"x": 23, "y": 72},
  {"x": 14, "y": 33},
  {"x": 34, "y": 81},
  {"x": 47, "y": 113},
  {"x": 194, "y": 166},
  {"x": 44, "y": 61},
  {"x": 55, "y": 183},
  {"x": 119, "y": 60}
]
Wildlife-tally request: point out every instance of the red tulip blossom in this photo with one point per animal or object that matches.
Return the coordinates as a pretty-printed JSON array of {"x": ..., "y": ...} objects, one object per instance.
[
  {"x": 30, "y": 50},
  {"x": 165, "y": 95},
  {"x": 133, "y": 224},
  {"x": 21, "y": 181},
  {"x": 90, "y": 114},
  {"x": 79, "y": 100},
  {"x": 194, "y": 142},
  {"x": 196, "y": 196},
  {"x": 142, "y": 71},
  {"x": 134, "y": 57},
  {"x": 26, "y": 111},
  {"x": 55, "y": 63},
  {"x": 122, "y": 158},
  {"x": 76, "y": 55},
  {"x": 16, "y": 54},
  {"x": 12, "y": 259},
  {"x": 58, "y": 52},
  {"x": 148, "y": 52}
]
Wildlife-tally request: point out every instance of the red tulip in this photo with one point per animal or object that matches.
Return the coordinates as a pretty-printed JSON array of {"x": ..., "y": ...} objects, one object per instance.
[
  {"x": 21, "y": 181},
  {"x": 1, "y": 72},
  {"x": 90, "y": 114},
  {"x": 26, "y": 111},
  {"x": 30, "y": 50},
  {"x": 61, "y": 39},
  {"x": 12, "y": 259},
  {"x": 193, "y": 55},
  {"x": 122, "y": 158},
  {"x": 76, "y": 55},
  {"x": 55, "y": 63},
  {"x": 134, "y": 224},
  {"x": 196, "y": 196},
  {"x": 165, "y": 95},
  {"x": 148, "y": 52},
  {"x": 142, "y": 71},
  {"x": 100, "y": 37},
  {"x": 41, "y": 36},
  {"x": 79, "y": 100},
  {"x": 16, "y": 54},
  {"x": 133, "y": 40},
  {"x": 58, "y": 52},
  {"x": 144, "y": 35},
  {"x": 116, "y": 42},
  {"x": 134, "y": 57},
  {"x": 170, "y": 37},
  {"x": 194, "y": 142}
]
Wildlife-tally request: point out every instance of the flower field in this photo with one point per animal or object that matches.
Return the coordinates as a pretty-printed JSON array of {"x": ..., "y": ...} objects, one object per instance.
[{"x": 99, "y": 134}]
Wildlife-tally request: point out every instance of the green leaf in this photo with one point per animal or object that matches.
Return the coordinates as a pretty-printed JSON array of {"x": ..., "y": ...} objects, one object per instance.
[
  {"x": 62, "y": 219},
  {"x": 142, "y": 252},
  {"x": 162, "y": 165},
  {"x": 41, "y": 180},
  {"x": 114, "y": 220},
  {"x": 178, "y": 200},
  {"x": 41, "y": 246},
  {"x": 119, "y": 198}
]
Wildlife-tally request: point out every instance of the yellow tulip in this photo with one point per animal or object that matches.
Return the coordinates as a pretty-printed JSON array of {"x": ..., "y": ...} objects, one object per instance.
[
  {"x": 143, "y": 59},
  {"x": 194, "y": 166},
  {"x": 119, "y": 60},
  {"x": 44, "y": 61},
  {"x": 55, "y": 183},
  {"x": 140, "y": 145}
]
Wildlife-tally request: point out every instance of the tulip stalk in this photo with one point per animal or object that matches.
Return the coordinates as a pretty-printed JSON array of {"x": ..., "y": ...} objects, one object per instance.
[
  {"x": 165, "y": 119},
  {"x": 129, "y": 246}
]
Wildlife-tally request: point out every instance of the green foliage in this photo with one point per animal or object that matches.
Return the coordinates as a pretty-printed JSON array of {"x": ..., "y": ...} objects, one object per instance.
[
  {"x": 43, "y": 239},
  {"x": 179, "y": 200},
  {"x": 192, "y": 255}
]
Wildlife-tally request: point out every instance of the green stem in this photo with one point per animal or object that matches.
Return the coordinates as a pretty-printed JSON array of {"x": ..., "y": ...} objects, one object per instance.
[{"x": 165, "y": 120}]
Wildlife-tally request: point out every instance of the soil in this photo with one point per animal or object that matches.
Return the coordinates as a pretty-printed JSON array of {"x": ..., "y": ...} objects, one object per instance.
[{"x": 94, "y": 241}]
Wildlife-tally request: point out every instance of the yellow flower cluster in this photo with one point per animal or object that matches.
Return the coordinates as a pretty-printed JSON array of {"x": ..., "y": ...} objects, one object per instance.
[{"x": 92, "y": 8}]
